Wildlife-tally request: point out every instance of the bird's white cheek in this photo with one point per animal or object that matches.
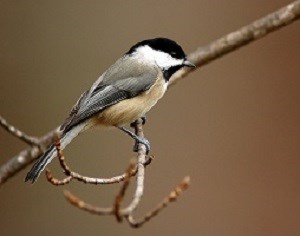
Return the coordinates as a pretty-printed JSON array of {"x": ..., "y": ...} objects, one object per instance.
[
  {"x": 159, "y": 58},
  {"x": 164, "y": 60}
]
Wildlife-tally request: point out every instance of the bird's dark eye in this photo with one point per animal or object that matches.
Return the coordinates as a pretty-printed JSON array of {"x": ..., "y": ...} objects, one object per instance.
[{"x": 173, "y": 53}]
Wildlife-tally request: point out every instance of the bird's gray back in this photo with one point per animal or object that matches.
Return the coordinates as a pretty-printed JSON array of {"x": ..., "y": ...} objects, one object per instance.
[{"x": 125, "y": 79}]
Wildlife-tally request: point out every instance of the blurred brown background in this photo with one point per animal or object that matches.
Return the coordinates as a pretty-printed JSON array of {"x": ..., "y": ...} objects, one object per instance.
[{"x": 233, "y": 125}]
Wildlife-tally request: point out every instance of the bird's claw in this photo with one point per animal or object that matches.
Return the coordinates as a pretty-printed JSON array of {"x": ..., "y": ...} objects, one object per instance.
[
  {"x": 143, "y": 141},
  {"x": 138, "y": 140}
]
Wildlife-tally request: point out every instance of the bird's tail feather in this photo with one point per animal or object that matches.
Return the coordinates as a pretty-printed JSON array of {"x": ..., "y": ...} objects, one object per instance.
[{"x": 51, "y": 153}]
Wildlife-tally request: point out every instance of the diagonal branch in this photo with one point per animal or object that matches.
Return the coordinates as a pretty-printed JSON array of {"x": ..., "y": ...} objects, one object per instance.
[
  {"x": 241, "y": 37},
  {"x": 33, "y": 141},
  {"x": 24, "y": 158},
  {"x": 200, "y": 57}
]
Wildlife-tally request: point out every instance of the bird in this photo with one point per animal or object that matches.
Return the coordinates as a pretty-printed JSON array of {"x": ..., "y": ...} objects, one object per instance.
[{"x": 125, "y": 92}]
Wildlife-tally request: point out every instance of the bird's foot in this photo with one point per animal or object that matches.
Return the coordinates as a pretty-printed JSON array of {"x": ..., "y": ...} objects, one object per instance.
[
  {"x": 141, "y": 141},
  {"x": 138, "y": 140}
]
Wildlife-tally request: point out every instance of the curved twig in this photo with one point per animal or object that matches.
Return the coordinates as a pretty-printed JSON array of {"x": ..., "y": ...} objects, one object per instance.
[
  {"x": 172, "y": 197},
  {"x": 85, "y": 179}
]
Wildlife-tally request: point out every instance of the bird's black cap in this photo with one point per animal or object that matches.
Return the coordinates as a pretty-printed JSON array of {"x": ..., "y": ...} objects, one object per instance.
[{"x": 161, "y": 44}]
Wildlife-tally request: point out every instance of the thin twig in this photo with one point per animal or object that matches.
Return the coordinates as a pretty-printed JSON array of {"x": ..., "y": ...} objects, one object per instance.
[
  {"x": 57, "y": 182},
  {"x": 92, "y": 180},
  {"x": 109, "y": 180},
  {"x": 61, "y": 157},
  {"x": 172, "y": 197},
  {"x": 201, "y": 56},
  {"x": 120, "y": 196},
  {"x": 89, "y": 180},
  {"x": 33, "y": 141},
  {"x": 76, "y": 201},
  {"x": 140, "y": 177}
]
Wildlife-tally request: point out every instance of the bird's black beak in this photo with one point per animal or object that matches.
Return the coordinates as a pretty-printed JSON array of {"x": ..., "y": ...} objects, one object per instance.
[{"x": 188, "y": 64}]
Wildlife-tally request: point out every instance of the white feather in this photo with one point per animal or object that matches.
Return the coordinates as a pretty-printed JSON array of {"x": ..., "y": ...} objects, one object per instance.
[{"x": 161, "y": 59}]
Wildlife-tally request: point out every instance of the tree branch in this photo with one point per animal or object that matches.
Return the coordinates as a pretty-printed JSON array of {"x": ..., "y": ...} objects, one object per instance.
[
  {"x": 201, "y": 56},
  {"x": 33, "y": 141},
  {"x": 241, "y": 37},
  {"x": 24, "y": 158}
]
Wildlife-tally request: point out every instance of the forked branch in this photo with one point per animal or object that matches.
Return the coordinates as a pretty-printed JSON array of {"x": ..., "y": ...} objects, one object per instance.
[
  {"x": 117, "y": 210},
  {"x": 120, "y": 214}
]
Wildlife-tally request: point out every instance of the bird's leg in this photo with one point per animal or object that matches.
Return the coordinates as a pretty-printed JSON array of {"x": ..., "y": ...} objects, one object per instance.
[
  {"x": 137, "y": 139},
  {"x": 132, "y": 125}
]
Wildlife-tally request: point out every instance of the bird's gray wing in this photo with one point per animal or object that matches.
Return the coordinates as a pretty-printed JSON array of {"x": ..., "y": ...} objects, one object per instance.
[
  {"x": 74, "y": 110},
  {"x": 117, "y": 84}
]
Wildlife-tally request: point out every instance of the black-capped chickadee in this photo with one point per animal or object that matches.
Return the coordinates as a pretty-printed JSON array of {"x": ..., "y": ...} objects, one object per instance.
[{"x": 122, "y": 94}]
